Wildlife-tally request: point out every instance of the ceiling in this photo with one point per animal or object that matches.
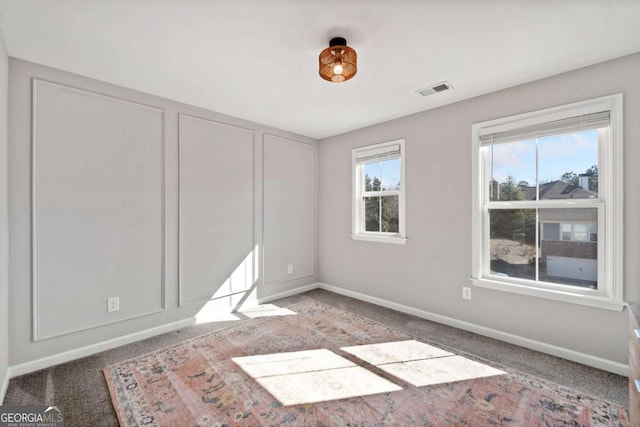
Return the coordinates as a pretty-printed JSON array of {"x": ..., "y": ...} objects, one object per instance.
[{"x": 258, "y": 59}]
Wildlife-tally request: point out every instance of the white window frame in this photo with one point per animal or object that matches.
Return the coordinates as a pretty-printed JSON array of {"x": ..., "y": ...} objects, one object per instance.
[
  {"x": 609, "y": 294},
  {"x": 357, "y": 217}
]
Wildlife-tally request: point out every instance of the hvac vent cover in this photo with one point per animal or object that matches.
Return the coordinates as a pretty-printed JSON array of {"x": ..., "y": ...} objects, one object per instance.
[{"x": 438, "y": 87}]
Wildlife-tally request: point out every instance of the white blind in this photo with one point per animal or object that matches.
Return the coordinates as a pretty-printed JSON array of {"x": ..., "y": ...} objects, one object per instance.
[
  {"x": 568, "y": 125},
  {"x": 378, "y": 154}
]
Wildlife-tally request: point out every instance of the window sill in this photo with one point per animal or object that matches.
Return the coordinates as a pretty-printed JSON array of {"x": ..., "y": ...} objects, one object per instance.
[
  {"x": 381, "y": 239},
  {"x": 595, "y": 300}
]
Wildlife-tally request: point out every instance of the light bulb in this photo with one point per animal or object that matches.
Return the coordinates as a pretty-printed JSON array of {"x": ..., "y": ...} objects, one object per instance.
[{"x": 337, "y": 69}]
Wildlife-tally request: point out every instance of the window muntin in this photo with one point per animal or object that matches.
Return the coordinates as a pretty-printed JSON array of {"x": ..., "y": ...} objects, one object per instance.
[
  {"x": 511, "y": 165},
  {"x": 547, "y": 169},
  {"x": 517, "y": 177},
  {"x": 571, "y": 158},
  {"x": 556, "y": 167},
  {"x": 512, "y": 243},
  {"x": 378, "y": 207},
  {"x": 382, "y": 175},
  {"x": 381, "y": 214}
]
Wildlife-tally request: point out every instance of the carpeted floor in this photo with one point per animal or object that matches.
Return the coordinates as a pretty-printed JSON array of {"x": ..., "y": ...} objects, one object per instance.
[{"x": 80, "y": 385}]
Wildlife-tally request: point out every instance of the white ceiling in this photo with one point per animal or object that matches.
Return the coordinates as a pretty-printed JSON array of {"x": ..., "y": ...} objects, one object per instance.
[{"x": 258, "y": 59}]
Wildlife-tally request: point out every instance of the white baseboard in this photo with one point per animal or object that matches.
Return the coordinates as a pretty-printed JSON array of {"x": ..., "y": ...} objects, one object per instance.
[
  {"x": 5, "y": 385},
  {"x": 56, "y": 359},
  {"x": 289, "y": 293},
  {"x": 565, "y": 353}
]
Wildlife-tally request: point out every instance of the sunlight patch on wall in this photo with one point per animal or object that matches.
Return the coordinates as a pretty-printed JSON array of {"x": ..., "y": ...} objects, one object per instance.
[
  {"x": 213, "y": 312},
  {"x": 237, "y": 290},
  {"x": 421, "y": 364},
  {"x": 241, "y": 279},
  {"x": 312, "y": 376}
]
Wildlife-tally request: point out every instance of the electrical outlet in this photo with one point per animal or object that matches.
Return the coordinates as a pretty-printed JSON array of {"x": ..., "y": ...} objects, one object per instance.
[
  {"x": 290, "y": 269},
  {"x": 466, "y": 292},
  {"x": 113, "y": 304}
]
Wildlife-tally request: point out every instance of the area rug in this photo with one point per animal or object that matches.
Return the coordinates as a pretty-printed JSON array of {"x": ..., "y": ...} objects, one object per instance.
[{"x": 322, "y": 366}]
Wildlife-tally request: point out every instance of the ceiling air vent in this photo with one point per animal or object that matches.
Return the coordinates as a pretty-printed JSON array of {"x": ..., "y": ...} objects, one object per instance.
[{"x": 438, "y": 87}]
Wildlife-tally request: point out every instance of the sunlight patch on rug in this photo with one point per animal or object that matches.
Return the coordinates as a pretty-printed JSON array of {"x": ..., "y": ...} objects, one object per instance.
[
  {"x": 265, "y": 310},
  {"x": 295, "y": 370},
  {"x": 421, "y": 364},
  {"x": 312, "y": 376},
  {"x": 440, "y": 371},
  {"x": 210, "y": 312},
  {"x": 396, "y": 352}
]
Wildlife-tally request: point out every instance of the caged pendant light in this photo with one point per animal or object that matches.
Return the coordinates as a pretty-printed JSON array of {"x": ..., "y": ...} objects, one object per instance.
[{"x": 338, "y": 62}]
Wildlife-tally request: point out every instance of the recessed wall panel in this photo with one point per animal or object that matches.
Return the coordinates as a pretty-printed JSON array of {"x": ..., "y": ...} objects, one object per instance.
[
  {"x": 288, "y": 209},
  {"x": 97, "y": 209},
  {"x": 216, "y": 210}
]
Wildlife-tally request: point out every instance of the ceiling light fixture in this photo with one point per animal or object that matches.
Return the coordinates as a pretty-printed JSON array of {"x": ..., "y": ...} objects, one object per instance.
[{"x": 338, "y": 62}]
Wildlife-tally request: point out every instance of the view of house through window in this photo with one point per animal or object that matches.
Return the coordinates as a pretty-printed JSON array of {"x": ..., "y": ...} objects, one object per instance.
[
  {"x": 557, "y": 244},
  {"x": 547, "y": 192}
]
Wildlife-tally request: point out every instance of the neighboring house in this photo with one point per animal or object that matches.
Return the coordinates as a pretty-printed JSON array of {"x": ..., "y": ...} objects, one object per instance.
[
  {"x": 560, "y": 190},
  {"x": 568, "y": 237}
]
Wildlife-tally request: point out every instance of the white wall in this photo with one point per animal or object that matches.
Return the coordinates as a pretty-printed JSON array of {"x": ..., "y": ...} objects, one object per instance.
[
  {"x": 289, "y": 175},
  {"x": 426, "y": 274},
  {"x": 429, "y": 272},
  {"x": 4, "y": 226},
  {"x": 96, "y": 209},
  {"x": 120, "y": 193},
  {"x": 216, "y": 209}
]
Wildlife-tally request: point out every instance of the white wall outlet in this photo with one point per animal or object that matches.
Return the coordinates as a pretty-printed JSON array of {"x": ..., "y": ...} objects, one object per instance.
[
  {"x": 466, "y": 292},
  {"x": 113, "y": 304},
  {"x": 290, "y": 269}
]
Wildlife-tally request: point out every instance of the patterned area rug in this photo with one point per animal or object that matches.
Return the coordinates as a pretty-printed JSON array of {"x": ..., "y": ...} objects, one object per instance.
[{"x": 322, "y": 366}]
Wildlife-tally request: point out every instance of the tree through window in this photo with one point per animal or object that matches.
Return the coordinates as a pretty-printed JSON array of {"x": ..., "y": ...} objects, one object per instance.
[
  {"x": 378, "y": 212},
  {"x": 545, "y": 219}
]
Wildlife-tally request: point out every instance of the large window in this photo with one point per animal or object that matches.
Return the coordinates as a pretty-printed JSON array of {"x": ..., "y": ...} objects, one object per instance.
[
  {"x": 378, "y": 193},
  {"x": 548, "y": 203}
]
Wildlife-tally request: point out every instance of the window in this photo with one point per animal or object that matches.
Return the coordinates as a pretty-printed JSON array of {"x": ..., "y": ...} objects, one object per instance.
[
  {"x": 579, "y": 232},
  {"x": 378, "y": 193},
  {"x": 547, "y": 194}
]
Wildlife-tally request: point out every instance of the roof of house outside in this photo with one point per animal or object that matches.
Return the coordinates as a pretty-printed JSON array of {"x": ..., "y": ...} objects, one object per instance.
[{"x": 558, "y": 190}]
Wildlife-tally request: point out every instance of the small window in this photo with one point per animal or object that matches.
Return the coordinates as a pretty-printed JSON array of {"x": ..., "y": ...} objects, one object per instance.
[
  {"x": 548, "y": 203},
  {"x": 579, "y": 232},
  {"x": 378, "y": 193}
]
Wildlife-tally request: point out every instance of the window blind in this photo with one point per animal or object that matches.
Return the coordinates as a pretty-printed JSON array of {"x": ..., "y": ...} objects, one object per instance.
[
  {"x": 388, "y": 152},
  {"x": 557, "y": 127}
]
